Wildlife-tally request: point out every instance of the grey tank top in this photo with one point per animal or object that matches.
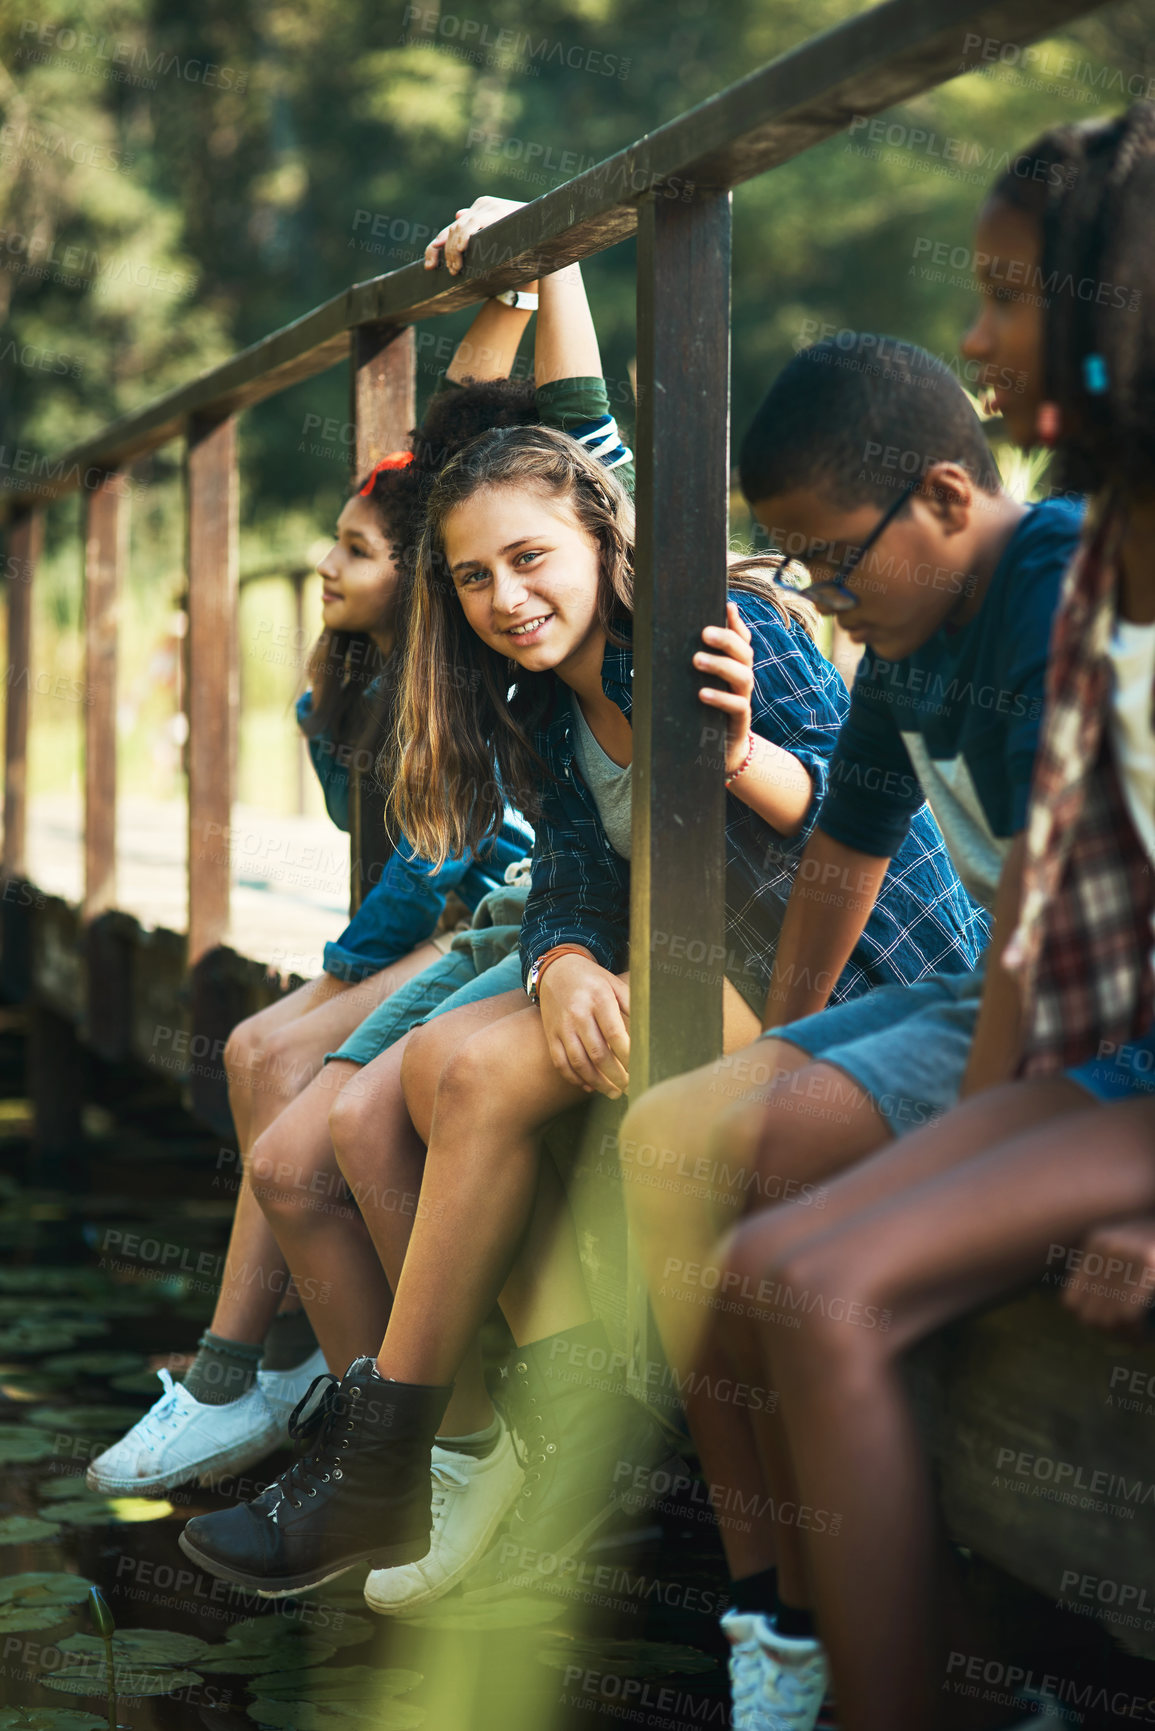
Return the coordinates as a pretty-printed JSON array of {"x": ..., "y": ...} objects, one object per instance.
[{"x": 609, "y": 782}]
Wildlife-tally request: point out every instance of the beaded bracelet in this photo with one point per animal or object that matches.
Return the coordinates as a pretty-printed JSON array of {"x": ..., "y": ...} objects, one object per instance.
[{"x": 745, "y": 763}]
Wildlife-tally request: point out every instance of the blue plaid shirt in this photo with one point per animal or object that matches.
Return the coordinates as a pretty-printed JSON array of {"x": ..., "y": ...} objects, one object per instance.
[{"x": 923, "y": 919}]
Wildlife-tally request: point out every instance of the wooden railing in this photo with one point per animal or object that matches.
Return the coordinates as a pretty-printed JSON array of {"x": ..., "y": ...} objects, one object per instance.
[{"x": 673, "y": 187}]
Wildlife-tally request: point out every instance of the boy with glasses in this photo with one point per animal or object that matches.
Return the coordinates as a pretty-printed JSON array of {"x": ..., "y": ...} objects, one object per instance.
[{"x": 878, "y": 476}]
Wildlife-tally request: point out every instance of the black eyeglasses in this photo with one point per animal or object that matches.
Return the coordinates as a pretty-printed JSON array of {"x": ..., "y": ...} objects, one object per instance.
[{"x": 832, "y": 595}]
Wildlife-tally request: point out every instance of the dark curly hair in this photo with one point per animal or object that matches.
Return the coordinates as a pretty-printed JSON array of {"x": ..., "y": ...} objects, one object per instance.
[
  {"x": 1091, "y": 189},
  {"x": 343, "y": 666}
]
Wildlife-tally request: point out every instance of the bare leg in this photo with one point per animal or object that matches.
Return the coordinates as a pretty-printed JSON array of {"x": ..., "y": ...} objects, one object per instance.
[
  {"x": 488, "y": 1206},
  {"x": 335, "y": 1267},
  {"x": 480, "y": 1185},
  {"x": 952, "y": 1217},
  {"x": 383, "y": 1159},
  {"x": 269, "y": 1058},
  {"x": 746, "y": 1131}
]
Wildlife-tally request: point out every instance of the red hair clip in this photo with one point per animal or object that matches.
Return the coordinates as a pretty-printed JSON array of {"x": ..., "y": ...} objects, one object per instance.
[{"x": 394, "y": 460}]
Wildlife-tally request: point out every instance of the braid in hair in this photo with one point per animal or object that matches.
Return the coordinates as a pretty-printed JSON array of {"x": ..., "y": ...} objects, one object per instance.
[{"x": 1091, "y": 188}]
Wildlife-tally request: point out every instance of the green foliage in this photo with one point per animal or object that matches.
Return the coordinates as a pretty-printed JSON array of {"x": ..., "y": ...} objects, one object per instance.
[{"x": 179, "y": 180}]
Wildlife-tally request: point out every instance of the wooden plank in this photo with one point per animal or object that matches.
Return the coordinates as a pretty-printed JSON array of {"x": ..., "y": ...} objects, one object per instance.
[
  {"x": 880, "y": 57},
  {"x": 212, "y": 676},
  {"x": 1042, "y": 1429},
  {"x": 677, "y": 870},
  {"x": 105, "y": 546},
  {"x": 24, "y": 544},
  {"x": 383, "y": 411}
]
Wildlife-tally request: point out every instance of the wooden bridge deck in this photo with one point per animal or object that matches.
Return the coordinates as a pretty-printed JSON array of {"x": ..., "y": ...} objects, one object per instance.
[{"x": 289, "y": 875}]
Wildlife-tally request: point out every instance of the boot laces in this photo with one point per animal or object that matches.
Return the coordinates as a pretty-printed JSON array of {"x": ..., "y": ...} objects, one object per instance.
[{"x": 322, "y": 1432}]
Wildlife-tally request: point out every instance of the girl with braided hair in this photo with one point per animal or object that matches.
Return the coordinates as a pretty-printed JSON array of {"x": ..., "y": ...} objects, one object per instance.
[{"x": 971, "y": 1208}]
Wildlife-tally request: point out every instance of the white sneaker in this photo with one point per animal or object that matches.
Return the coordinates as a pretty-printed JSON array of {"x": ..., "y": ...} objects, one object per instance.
[
  {"x": 180, "y": 1438},
  {"x": 471, "y": 1498},
  {"x": 284, "y": 1388},
  {"x": 777, "y": 1683}
]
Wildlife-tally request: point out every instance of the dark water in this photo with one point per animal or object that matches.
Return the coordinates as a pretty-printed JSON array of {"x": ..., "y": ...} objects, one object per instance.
[{"x": 108, "y": 1265}]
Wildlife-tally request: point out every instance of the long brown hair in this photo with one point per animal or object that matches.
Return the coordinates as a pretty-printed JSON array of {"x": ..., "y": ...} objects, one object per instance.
[
  {"x": 343, "y": 666},
  {"x": 466, "y": 714}
]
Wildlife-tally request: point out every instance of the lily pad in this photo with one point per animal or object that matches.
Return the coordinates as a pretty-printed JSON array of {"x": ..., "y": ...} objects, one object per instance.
[
  {"x": 26, "y": 1529},
  {"x": 288, "y": 1639},
  {"x": 21, "y": 1447},
  {"x": 20, "y": 1622},
  {"x": 49, "y": 1719},
  {"x": 31, "y": 1339},
  {"x": 627, "y": 1658},
  {"x": 62, "y": 1487},
  {"x": 39, "y": 1600},
  {"x": 40, "y": 1309},
  {"x": 86, "y": 1420},
  {"x": 94, "y": 1363},
  {"x": 349, "y": 1683},
  {"x": 140, "y": 1647},
  {"x": 261, "y": 1644},
  {"x": 136, "y": 1382},
  {"x": 304, "y": 1716},
  {"x": 129, "y": 1681},
  {"x": 29, "y": 1385},
  {"x": 46, "y": 1279},
  {"x": 44, "y": 1587},
  {"x": 346, "y": 1630},
  {"x": 382, "y": 1715}
]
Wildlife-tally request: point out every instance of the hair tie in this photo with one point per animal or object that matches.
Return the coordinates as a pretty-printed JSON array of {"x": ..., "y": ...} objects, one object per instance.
[{"x": 394, "y": 460}]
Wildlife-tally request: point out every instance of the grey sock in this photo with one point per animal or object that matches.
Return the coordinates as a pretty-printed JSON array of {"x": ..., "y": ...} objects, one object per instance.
[
  {"x": 478, "y": 1443},
  {"x": 289, "y": 1342},
  {"x": 222, "y": 1371}
]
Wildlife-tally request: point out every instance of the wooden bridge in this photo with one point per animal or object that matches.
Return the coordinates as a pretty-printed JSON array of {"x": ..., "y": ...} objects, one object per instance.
[{"x": 1022, "y": 1394}]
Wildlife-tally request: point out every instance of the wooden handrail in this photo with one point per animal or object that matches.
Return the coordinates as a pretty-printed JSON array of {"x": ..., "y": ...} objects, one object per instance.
[{"x": 883, "y": 56}]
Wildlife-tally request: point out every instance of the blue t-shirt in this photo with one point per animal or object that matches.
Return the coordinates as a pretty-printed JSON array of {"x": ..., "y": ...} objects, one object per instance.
[{"x": 957, "y": 722}]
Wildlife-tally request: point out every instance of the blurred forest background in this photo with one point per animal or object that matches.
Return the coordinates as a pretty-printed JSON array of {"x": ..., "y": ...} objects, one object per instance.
[{"x": 179, "y": 179}]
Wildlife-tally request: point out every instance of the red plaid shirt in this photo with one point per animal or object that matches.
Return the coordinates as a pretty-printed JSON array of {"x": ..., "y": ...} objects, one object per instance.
[{"x": 1083, "y": 943}]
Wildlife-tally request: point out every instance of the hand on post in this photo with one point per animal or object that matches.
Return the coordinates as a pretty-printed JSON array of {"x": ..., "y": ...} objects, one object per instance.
[{"x": 730, "y": 657}]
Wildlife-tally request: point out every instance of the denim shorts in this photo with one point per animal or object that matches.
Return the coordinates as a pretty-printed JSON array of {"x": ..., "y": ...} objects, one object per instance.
[
  {"x": 448, "y": 983},
  {"x": 905, "y": 1046},
  {"x": 1120, "y": 1073}
]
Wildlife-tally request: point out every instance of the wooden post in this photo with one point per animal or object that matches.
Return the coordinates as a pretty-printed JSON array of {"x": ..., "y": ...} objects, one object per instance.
[
  {"x": 104, "y": 552},
  {"x": 678, "y": 865},
  {"x": 678, "y": 846},
  {"x": 383, "y": 410},
  {"x": 213, "y": 687},
  {"x": 24, "y": 543}
]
